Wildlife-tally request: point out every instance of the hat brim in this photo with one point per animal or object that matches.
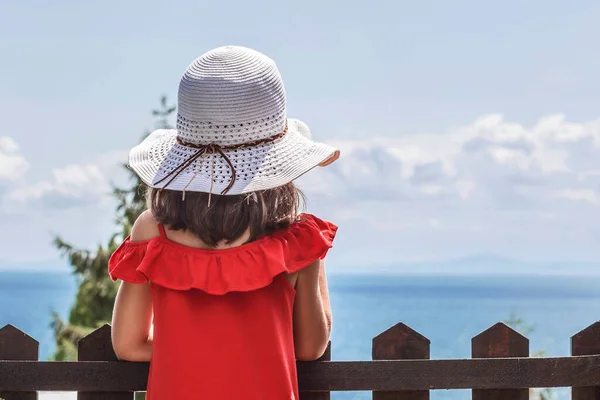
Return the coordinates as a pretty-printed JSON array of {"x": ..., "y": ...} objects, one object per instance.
[{"x": 257, "y": 168}]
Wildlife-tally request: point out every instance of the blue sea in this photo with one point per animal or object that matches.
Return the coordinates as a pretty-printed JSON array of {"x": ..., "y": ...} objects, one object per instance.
[{"x": 447, "y": 310}]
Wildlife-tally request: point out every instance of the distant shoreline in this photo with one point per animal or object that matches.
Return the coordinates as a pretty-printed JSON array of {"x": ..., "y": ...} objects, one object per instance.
[{"x": 380, "y": 274}]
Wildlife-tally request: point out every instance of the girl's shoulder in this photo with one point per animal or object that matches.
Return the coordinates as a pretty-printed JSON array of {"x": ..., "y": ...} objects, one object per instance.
[
  {"x": 145, "y": 228},
  {"x": 148, "y": 255}
]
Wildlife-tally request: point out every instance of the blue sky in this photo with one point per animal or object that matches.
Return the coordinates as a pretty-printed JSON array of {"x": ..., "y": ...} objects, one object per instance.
[{"x": 468, "y": 127}]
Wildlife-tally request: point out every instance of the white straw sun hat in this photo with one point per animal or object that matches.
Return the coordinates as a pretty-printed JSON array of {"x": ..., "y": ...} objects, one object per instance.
[{"x": 233, "y": 135}]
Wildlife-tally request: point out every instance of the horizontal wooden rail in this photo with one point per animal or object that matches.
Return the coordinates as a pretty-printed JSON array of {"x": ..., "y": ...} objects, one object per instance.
[
  {"x": 492, "y": 373},
  {"x": 498, "y": 370}
]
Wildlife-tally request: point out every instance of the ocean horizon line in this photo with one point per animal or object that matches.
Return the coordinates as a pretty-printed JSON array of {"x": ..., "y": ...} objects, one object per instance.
[{"x": 381, "y": 273}]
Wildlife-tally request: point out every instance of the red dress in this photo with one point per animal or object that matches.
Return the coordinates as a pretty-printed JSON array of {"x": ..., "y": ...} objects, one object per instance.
[{"x": 223, "y": 318}]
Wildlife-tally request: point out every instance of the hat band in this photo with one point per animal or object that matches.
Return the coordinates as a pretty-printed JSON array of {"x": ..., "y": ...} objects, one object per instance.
[{"x": 212, "y": 149}]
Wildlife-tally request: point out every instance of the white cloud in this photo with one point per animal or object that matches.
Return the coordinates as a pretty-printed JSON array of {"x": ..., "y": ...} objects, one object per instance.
[
  {"x": 70, "y": 185},
  {"x": 66, "y": 187},
  {"x": 464, "y": 188},
  {"x": 498, "y": 187},
  {"x": 435, "y": 223},
  {"x": 489, "y": 153},
  {"x": 587, "y": 195},
  {"x": 12, "y": 164}
]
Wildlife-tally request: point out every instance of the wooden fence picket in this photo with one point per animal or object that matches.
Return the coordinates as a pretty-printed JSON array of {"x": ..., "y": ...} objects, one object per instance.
[{"x": 18, "y": 346}]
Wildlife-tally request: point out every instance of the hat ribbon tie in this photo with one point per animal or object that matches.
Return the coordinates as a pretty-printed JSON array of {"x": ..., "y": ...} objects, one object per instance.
[{"x": 213, "y": 149}]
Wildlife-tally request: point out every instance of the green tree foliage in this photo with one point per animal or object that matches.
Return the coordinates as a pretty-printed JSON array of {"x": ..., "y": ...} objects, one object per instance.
[{"x": 96, "y": 293}]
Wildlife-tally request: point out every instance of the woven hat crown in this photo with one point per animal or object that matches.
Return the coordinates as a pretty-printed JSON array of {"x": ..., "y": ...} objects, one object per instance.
[{"x": 229, "y": 96}]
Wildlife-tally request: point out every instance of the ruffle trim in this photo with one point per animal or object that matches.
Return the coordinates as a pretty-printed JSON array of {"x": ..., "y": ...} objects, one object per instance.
[{"x": 239, "y": 269}]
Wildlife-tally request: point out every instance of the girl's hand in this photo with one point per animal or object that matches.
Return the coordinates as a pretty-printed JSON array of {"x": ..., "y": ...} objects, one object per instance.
[
  {"x": 312, "y": 313},
  {"x": 132, "y": 315}
]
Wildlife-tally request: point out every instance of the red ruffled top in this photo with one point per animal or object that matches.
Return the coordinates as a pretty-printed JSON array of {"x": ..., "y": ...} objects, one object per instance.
[{"x": 223, "y": 318}]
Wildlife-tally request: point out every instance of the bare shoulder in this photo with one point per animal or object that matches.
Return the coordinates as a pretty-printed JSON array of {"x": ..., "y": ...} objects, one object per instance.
[{"x": 144, "y": 228}]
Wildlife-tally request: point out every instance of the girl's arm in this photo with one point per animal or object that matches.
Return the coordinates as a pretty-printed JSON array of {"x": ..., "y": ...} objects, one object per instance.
[
  {"x": 131, "y": 323},
  {"x": 132, "y": 315},
  {"x": 312, "y": 313}
]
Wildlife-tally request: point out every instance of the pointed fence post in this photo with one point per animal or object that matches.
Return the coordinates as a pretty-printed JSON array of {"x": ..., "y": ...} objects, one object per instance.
[
  {"x": 97, "y": 346},
  {"x": 497, "y": 342},
  {"x": 586, "y": 343},
  {"x": 400, "y": 342},
  {"x": 17, "y": 345},
  {"x": 319, "y": 395}
]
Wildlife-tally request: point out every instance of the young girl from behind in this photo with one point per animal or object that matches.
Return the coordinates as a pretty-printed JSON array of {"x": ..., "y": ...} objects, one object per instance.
[{"x": 223, "y": 278}]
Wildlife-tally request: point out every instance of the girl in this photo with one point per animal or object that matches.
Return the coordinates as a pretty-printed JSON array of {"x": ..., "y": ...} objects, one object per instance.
[{"x": 223, "y": 280}]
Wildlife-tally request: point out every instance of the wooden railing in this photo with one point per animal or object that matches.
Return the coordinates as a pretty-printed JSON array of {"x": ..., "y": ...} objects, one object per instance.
[{"x": 401, "y": 370}]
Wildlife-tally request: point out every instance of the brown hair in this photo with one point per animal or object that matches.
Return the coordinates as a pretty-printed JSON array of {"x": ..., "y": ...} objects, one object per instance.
[{"x": 228, "y": 217}]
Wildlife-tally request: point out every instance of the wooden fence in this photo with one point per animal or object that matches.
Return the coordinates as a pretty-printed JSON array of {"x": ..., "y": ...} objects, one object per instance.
[{"x": 401, "y": 370}]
